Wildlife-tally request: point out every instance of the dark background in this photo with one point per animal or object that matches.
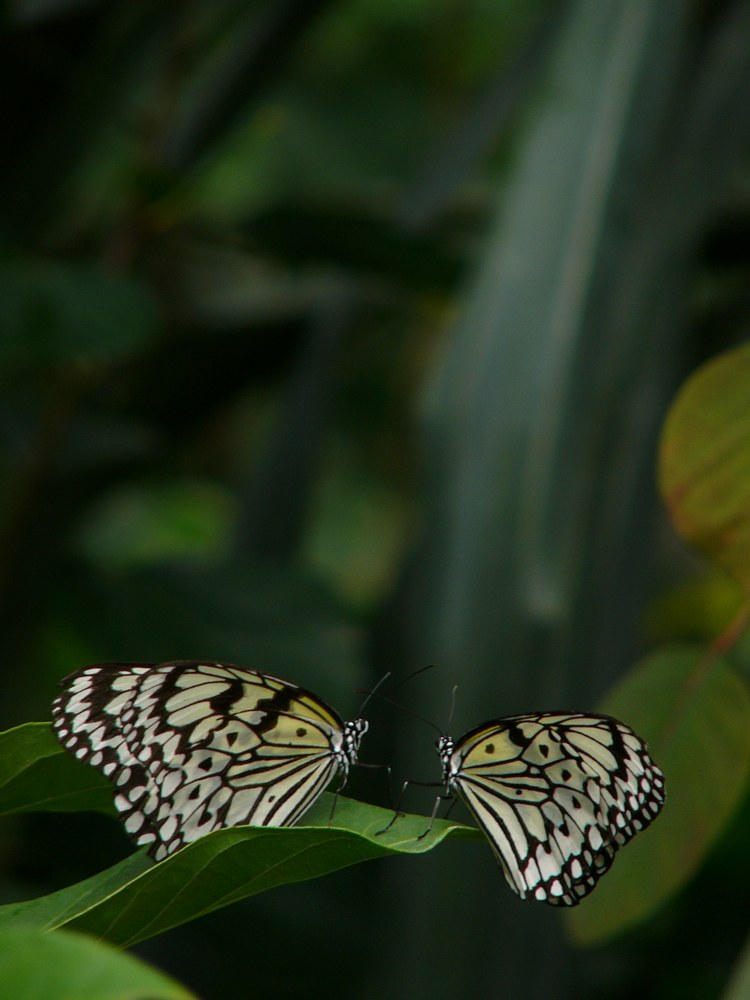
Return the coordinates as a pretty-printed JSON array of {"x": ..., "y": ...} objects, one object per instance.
[{"x": 335, "y": 338}]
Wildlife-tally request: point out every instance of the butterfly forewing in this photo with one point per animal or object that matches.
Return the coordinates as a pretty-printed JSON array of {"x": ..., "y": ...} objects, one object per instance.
[
  {"x": 192, "y": 747},
  {"x": 556, "y": 794}
]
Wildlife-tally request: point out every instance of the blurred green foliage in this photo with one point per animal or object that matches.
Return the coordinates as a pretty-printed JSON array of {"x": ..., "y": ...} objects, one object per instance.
[
  {"x": 336, "y": 338},
  {"x": 38, "y": 965}
]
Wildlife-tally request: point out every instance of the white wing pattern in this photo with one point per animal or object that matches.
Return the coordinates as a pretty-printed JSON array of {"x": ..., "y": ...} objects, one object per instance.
[
  {"x": 556, "y": 794},
  {"x": 195, "y": 746}
]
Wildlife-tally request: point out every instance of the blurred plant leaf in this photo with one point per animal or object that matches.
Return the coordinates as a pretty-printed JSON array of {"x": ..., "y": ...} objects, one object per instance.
[
  {"x": 254, "y": 49},
  {"x": 35, "y": 965},
  {"x": 220, "y": 612},
  {"x": 697, "y": 609},
  {"x": 739, "y": 985},
  {"x": 58, "y": 313},
  {"x": 705, "y": 462},
  {"x": 37, "y": 774},
  {"x": 146, "y": 523},
  {"x": 358, "y": 531},
  {"x": 541, "y": 416},
  {"x": 358, "y": 241},
  {"x": 694, "y": 711},
  {"x": 87, "y": 97}
]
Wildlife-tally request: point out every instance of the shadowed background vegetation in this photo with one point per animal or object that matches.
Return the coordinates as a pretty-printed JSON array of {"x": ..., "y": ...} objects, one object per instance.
[{"x": 337, "y": 338}]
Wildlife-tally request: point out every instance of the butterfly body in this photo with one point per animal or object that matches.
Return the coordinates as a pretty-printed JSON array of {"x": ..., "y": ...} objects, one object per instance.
[
  {"x": 195, "y": 746},
  {"x": 556, "y": 794}
]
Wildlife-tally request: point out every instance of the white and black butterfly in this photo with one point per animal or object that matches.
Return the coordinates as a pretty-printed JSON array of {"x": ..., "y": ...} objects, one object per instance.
[
  {"x": 556, "y": 794},
  {"x": 195, "y": 746}
]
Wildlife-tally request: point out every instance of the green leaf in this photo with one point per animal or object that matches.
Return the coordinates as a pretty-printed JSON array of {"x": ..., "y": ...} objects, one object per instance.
[
  {"x": 694, "y": 711},
  {"x": 148, "y": 523},
  {"x": 136, "y": 899},
  {"x": 36, "y": 773},
  {"x": 705, "y": 462},
  {"x": 35, "y": 965},
  {"x": 54, "y": 313},
  {"x": 739, "y": 984}
]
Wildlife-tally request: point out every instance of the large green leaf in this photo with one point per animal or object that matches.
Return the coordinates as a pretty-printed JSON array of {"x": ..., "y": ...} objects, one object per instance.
[
  {"x": 694, "y": 710},
  {"x": 35, "y": 965},
  {"x": 137, "y": 899},
  {"x": 705, "y": 462}
]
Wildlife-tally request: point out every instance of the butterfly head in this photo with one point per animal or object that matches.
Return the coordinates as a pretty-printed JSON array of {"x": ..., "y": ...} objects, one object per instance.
[
  {"x": 445, "y": 746},
  {"x": 351, "y": 738}
]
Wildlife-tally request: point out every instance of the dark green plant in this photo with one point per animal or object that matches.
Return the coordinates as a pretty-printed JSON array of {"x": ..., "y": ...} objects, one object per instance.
[{"x": 238, "y": 245}]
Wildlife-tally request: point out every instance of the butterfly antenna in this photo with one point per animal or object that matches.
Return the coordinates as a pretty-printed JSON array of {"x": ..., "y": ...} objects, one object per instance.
[
  {"x": 415, "y": 673},
  {"x": 453, "y": 705},
  {"x": 370, "y": 694},
  {"x": 414, "y": 715},
  {"x": 375, "y": 692}
]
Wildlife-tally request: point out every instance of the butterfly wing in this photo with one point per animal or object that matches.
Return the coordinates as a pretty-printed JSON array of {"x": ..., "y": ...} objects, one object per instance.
[
  {"x": 556, "y": 794},
  {"x": 192, "y": 747}
]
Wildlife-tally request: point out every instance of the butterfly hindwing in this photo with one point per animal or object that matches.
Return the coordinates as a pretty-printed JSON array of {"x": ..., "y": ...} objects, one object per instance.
[
  {"x": 556, "y": 794},
  {"x": 192, "y": 747}
]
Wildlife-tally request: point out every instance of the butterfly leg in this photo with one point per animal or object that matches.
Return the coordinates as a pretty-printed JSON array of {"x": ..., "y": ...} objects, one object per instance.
[
  {"x": 397, "y": 810},
  {"x": 339, "y": 790},
  {"x": 438, "y": 799}
]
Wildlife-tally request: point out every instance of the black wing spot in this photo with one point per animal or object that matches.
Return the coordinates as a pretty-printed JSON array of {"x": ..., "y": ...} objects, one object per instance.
[
  {"x": 544, "y": 750},
  {"x": 195, "y": 793},
  {"x": 222, "y": 703},
  {"x": 272, "y": 708},
  {"x": 231, "y": 739},
  {"x": 565, "y": 774},
  {"x": 301, "y": 731},
  {"x": 205, "y": 765},
  {"x": 490, "y": 748}
]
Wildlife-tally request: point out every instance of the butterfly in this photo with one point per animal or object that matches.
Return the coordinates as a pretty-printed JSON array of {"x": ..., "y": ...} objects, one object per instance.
[
  {"x": 557, "y": 794},
  {"x": 195, "y": 746}
]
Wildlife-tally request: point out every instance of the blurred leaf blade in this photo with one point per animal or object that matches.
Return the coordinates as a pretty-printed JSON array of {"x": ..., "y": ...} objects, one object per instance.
[
  {"x": 59, "y": 313},
  {"x": 540, "y": 500},
  {"x": 694, "y": 711},
  {"x": 260, "y": 44},
  {"x": 35, "y": 965},
  {"x": 86, "y": 96},
  {"x": 705, "y": 462},
  {"x": 531, "y": 524}
]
